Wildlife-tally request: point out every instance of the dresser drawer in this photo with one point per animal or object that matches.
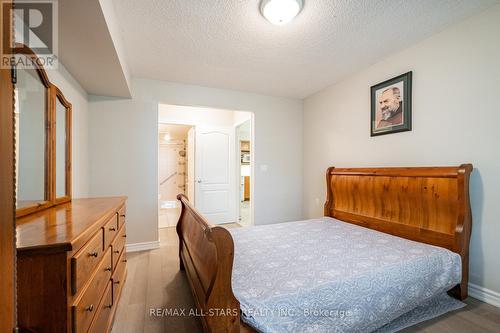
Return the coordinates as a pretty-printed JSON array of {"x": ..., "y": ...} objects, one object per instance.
[
  {"x": 84, "y": 261},
  {"x": 118, "y": 245},
  {"x": 119, "y": 276},
  {"x": 84, "y": 309},
  {"x": 121, "y": 216},
  {"x": 104, "y": 311},
  {"x": 110, "y": 230}
]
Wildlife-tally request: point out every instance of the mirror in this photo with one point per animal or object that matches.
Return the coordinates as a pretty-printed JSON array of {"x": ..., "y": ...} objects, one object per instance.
[
  {"x": 43, "y": 139},
  {"x": 63, "y": 111},
  {"x": 30, "y": 122}
]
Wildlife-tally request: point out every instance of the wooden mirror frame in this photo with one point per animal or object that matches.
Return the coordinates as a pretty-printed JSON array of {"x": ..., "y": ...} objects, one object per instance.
[
  {"x": 53, "y": 94},
  {"x": 44, "y": 79},
  {"x": 57, "y": 95}
]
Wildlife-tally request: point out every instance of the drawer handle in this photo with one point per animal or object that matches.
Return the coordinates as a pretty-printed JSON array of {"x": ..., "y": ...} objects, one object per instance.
[
  {"x": 112, "y": 229},
  {"x": 116, "y": 252},
  {"x": 108, "y": 306},
  {"x": 124, "y": 236},
  {"x": 107, "y": 269},
  {"x": 116, "y": 282},
  {"x": 124, "y": 260},
  {"x": 90, "y": 308},
  {"x": 123, "y": 215},
  {"x": 93, "y": 254}
]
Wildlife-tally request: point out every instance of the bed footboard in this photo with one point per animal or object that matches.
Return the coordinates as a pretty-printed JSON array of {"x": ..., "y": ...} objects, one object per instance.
[{"x": 206, "y": 255}]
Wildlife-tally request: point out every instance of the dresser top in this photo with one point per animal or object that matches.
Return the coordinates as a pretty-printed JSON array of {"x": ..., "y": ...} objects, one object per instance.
[{"x": 65, "y": 227}]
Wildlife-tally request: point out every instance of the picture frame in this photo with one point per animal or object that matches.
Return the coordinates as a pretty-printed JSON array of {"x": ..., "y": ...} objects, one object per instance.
[{"x": 391, "y": 105}]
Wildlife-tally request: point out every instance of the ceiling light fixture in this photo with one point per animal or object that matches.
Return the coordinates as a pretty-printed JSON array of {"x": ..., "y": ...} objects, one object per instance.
[{"x": 280, "y": 12}]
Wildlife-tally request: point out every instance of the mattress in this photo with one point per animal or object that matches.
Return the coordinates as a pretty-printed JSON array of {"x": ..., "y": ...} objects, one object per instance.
[{"x": 325, "y": 275}]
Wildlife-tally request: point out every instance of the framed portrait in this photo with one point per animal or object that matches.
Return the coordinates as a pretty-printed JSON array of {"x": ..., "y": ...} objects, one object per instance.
[{"x": 391, "y": 106}]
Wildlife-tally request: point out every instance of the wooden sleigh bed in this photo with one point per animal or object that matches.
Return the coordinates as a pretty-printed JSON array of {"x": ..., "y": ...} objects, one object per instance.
[{"x": 424, "y": 204}]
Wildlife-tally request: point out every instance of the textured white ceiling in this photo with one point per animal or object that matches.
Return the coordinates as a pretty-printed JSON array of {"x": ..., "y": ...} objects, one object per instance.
[{"x": 228, "y": 44}]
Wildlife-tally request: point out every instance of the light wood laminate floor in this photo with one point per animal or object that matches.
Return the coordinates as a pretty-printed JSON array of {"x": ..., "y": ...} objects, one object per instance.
[{"x": 154, "y": 281}]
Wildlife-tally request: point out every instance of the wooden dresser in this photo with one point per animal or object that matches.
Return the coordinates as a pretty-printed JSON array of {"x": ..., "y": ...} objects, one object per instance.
[{"x": 71, "y": 266}]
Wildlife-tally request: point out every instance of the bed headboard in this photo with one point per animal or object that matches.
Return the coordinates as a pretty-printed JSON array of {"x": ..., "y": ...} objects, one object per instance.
[{"x": 425, "y": 204}]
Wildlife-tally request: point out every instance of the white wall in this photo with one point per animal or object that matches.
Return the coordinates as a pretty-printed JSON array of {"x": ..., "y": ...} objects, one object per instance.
[
  {"x": 456, "y": 118},
  {"x": 115, "y": 32},
  {"x": 77, "y": 96},
  {"x": 240, "y": 117},
  {"x": 199, "y": 116},
  {"x": 244, "y": 130},
  {"x": 123, "y": 149}
]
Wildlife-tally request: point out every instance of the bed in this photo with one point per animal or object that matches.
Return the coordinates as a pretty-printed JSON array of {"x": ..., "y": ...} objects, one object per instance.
[{"x": 406, "y": 229}]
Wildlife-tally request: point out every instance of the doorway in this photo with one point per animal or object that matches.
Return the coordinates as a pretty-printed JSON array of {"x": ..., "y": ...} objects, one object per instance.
[
  {"x": 244, "y": 144},
  {"x": 172, "y": 171},
  {"x": 204, "y": 147}
]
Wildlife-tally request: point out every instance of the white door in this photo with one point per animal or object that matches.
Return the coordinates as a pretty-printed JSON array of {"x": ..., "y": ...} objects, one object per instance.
[
  {"x": 190, "y": 165},
  {"x": 215, "y": 172}
]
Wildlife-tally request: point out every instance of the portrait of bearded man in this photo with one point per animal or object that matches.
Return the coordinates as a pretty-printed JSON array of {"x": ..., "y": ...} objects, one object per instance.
[
  {"x": 390, "y": 105},
  {"x": 390, "y": 108}
]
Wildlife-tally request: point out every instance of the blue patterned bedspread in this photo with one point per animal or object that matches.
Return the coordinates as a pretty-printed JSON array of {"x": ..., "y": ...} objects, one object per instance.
[{"x": 325, "y": 275}]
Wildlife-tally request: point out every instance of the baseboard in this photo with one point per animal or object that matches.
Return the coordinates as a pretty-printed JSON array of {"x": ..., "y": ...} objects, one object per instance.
[
  {"x": 142, "y": 246},
  {"x": 485, "y": 295}
]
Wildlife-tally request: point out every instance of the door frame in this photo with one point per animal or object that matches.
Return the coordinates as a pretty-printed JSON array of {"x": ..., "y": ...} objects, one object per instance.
[
  {"x": 7, "y": 206},
  {"x": 252, "y": 166},
  {"x": 191, "y": 167},
  {"x": 252, "y": 143}
]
